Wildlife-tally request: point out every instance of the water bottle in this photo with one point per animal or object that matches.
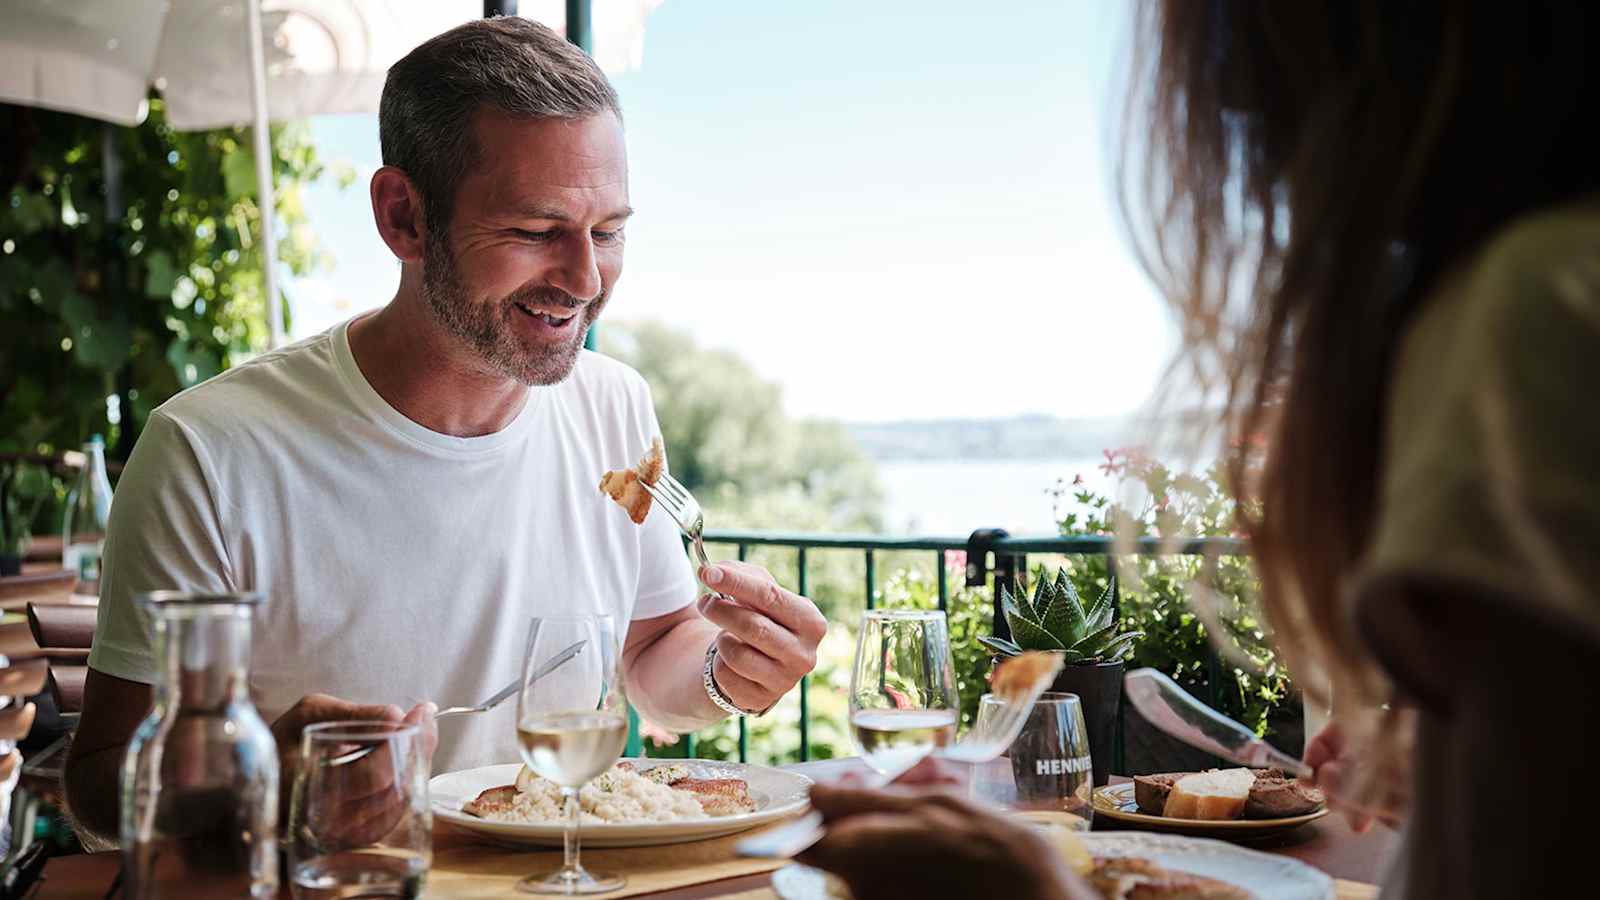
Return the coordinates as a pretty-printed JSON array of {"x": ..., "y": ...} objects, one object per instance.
[{"x": 83, "y": 534}]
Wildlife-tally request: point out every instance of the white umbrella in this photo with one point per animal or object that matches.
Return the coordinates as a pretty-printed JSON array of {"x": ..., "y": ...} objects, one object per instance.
[{"x": 231, "y": 62}]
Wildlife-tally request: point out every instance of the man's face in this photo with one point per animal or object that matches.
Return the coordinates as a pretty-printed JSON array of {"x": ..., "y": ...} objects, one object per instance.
[{"x": 534, "y": 243}]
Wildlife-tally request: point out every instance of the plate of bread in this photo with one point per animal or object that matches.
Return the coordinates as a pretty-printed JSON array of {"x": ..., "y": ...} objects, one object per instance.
[{"x": 1242, "y": 803}]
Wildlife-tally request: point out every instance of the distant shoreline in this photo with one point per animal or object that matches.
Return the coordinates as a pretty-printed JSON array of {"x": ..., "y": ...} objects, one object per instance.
[
  {"x": 1022, "y": 439},
  {"x": 957, "y": 496}
]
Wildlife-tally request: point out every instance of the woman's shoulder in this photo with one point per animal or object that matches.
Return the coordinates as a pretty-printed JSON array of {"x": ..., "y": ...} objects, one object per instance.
[
  {"x": 1546, "y": 234},
  {"x": 1529, "y": 297},
  {"x": 1544, "y": 263}
]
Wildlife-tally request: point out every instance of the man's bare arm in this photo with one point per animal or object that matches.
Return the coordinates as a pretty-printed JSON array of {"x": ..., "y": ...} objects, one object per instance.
[
  {"x": 766, "y": 641},
  {"x": 112, "y": 709},
  {"x": 662, "y": 661}
]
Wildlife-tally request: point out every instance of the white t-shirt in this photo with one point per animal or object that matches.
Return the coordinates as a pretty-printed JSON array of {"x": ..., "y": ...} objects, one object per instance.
[{"x": 399, "y": 564}]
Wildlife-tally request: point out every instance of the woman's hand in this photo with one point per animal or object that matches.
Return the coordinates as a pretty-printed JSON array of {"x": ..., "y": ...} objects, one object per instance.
[
  {"x": 1335, "y": 764},
  {"x": 917, "y": 839}
]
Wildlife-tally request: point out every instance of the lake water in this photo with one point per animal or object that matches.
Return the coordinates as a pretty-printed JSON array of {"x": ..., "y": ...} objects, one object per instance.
[{"x": 956, "y": 497}]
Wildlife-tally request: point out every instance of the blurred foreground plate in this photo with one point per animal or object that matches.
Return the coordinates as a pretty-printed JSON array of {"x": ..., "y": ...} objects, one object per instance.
[{"x": 1262, "y": 874}]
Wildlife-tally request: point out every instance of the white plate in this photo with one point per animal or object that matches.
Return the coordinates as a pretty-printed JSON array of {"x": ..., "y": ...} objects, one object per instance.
[
  {"x": 1265, "y": 875},
  {"x": 776, "y": 793}
]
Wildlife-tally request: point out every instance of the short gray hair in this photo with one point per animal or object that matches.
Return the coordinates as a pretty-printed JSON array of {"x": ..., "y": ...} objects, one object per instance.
[{"x": 509, "y": 63}]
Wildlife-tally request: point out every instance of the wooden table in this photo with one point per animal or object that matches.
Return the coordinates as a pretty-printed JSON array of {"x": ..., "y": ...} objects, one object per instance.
[{"x": 1327, "y": 844}]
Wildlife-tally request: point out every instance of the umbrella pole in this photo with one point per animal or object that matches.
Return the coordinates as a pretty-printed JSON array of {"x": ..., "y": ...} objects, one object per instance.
[{"x": 263, "y": 153}]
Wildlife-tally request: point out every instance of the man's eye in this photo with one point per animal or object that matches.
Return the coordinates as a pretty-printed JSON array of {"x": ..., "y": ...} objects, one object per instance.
[
  {"x": 537, "y": 236},
  {"x": 607, "y": 237}
]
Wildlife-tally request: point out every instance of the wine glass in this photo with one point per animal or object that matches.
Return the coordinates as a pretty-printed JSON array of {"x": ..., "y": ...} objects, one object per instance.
[
  {"x": 572, "y": 724},
  {"x": 903, "y": 700}
]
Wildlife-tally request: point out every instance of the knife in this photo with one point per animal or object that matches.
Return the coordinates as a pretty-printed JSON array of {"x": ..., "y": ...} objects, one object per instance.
[{"x": 1178, "y": 713}]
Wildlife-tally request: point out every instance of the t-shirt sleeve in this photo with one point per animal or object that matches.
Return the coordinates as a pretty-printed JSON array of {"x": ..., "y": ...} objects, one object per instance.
[
  {"x": 1491, "y": 468},
  {"x": 164, "y": 534},
  {"x": 666, "y": 579}
]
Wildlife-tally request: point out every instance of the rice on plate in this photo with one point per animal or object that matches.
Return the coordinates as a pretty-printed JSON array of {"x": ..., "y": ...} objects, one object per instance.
[{"x": 663, "y": 793}]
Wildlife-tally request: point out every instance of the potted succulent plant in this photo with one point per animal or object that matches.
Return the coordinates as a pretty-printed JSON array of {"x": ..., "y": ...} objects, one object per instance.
[{"x": 1092, "y": 645}]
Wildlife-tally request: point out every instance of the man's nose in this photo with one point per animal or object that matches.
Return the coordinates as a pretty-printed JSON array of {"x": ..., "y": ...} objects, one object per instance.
[{"x": 576, "y": 271}]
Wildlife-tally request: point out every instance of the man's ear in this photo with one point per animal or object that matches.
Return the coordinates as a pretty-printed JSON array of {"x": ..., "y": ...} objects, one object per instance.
[{"x": 397, "y": 210}]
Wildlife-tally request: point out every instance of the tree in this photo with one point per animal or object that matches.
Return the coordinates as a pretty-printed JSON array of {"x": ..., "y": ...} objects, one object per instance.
[{"x": 106, "y": 314}]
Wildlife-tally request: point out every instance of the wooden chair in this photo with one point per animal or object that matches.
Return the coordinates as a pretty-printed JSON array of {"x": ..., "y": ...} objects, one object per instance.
[
  {"x": 48, "y": 586},
  {"x": 45, "y": 548},
  {"x": 64, "y": 635}
]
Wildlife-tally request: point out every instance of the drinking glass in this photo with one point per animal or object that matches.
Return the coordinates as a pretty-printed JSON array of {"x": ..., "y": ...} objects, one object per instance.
[
  {"x": 903, "y": 700},
  {"x": 1050, "y": 761},
  {"x": 572, "y": 724},
  {"x": 359, "y": 820}
]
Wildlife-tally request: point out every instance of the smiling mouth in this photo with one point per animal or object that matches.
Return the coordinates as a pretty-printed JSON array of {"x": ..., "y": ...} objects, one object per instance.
[{"x": 552, "y": 319}]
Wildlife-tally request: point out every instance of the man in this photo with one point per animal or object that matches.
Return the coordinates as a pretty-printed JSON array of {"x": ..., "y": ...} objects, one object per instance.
[{"x": 410, "y": 488}]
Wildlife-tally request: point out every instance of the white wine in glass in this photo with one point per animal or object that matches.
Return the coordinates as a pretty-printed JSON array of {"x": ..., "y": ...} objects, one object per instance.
[
  {"x": 571, "y": 748},
  {"x": 903, "y": 700},
  {"x": 572, "y": 724},
  {"x": 892, "y": 740}
]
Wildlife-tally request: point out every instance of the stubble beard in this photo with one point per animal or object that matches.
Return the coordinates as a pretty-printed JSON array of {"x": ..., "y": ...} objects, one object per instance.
[{"x": 485, "y": 327}]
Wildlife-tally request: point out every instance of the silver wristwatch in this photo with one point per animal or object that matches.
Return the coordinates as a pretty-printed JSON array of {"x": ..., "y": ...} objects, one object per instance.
[{"x": 715, "y": 693}]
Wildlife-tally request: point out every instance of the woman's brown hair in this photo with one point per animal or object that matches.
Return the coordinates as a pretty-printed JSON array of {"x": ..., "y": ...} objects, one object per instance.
[{"x": 1303, "y": 174}]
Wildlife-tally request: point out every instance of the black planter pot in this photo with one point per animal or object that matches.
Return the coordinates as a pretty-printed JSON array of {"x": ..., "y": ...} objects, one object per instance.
[
  {"x": 10, "y": 565},
  {"x": 1099, "y": 688}
]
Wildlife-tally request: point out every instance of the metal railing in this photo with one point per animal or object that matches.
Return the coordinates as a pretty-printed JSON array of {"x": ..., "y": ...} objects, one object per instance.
[{"x": 999, "y": 559}]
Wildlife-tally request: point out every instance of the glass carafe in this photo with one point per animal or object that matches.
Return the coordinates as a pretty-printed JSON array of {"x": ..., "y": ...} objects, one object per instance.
[{"x": 200, "y": 781}]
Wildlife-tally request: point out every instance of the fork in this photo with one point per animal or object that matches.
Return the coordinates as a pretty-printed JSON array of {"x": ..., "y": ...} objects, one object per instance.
[
  {"x": 549, "y": 665},
  {"x": 987, "y": 740},
  {"x": 685, "y": 510}
]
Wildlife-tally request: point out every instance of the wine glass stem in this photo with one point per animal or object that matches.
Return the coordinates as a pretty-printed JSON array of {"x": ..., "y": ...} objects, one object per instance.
[{"x": 569, "y": 838}]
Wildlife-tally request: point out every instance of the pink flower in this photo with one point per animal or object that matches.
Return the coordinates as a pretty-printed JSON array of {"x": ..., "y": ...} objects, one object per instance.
[
  {"x": 1113, "y": 464},
  {"x": 955, "y": 560}
]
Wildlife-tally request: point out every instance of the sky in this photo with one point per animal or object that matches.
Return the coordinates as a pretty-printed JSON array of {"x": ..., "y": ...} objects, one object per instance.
[{"x": 898, "y": 209}]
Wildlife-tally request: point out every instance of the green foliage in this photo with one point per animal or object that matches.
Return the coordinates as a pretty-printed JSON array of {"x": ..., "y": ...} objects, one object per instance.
[
  {"x": 1160, "y": 595},
  {"x": 25, "y": 488},
  {"x": 108, "y": 315},
  {"x": 1056, "y": 620}
]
